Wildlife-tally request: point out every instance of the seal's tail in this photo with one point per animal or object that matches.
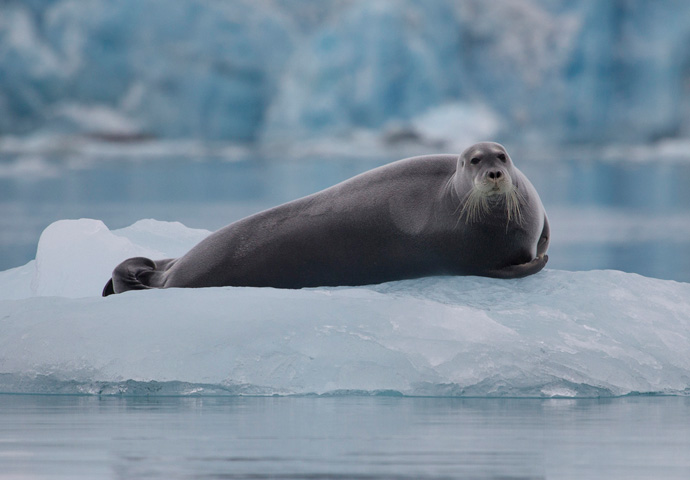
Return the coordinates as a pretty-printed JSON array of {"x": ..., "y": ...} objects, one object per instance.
[
  {"x": 108, "y": 289},
  {"x": 132, "y": 274}
]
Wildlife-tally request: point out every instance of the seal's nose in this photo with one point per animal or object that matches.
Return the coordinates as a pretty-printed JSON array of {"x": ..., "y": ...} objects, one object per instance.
[{"x": 494, "y": 175}]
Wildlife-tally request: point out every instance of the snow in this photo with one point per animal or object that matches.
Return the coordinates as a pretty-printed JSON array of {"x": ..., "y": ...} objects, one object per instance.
[
  {"x": 98, "y": 119},
  {"x": 557, "y": 333},
  {"x": 456, "y": 125}
]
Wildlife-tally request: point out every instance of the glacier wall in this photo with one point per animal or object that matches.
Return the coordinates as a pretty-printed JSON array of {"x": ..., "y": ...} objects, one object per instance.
[
  {"x": 276, "y": 71},
  {"x": 180, "y": 69}
]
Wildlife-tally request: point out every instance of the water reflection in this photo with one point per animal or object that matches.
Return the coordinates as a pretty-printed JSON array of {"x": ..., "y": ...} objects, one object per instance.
[
  {"x": 642, "y": 187},
  {"x": 346, "y": 437}
]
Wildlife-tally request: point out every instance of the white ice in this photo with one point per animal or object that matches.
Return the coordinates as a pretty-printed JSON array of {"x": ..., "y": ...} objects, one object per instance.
[{"x": 557, "y": 333}]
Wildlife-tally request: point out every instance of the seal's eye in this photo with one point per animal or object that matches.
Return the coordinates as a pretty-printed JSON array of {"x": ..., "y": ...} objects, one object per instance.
[
  {"x": 475, "y": 161},
  {"x": 502, "y": 157}
]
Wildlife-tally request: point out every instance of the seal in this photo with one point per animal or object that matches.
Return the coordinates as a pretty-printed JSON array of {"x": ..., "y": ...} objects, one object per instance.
[{"x": 472, "y": 214}]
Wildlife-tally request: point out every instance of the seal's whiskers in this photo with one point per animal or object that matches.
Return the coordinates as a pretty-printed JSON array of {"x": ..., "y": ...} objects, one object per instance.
[
  {"x": 476, "y": 204},
  {"x": 513, "y": 198}
]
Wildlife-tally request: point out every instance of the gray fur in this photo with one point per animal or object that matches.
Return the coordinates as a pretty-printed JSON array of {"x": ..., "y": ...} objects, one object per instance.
[{"x": 407, "y": 219}]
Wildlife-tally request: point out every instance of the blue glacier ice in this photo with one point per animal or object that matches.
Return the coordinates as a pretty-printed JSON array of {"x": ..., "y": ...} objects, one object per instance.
[
  {"x": 281, "y": 71},
  {"x": 180, "y": 69},
  {"x": 379, "y": 60},
  {"x": 554, "y": 334}
]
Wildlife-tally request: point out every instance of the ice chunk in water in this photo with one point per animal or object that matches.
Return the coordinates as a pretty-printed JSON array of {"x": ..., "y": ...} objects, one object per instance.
[{"x": 556, "y": 333}]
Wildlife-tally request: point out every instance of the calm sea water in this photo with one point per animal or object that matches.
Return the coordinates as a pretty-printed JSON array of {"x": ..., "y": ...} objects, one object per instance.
[{"x": 44, "y": 437}]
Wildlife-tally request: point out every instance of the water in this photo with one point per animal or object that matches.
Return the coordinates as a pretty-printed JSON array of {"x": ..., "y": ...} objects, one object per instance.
[
  {"x": 627, "y": 216},
  {"x": 343, "y": 437}
]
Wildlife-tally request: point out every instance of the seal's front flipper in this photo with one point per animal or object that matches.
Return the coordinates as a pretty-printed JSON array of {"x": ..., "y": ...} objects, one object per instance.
[
  {"x": 544, "y": 238},
  {"x": 522, "y": 270}
]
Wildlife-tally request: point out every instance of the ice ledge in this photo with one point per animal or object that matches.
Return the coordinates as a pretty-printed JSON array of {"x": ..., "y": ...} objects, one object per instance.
[{"x": 557, "y": 333}]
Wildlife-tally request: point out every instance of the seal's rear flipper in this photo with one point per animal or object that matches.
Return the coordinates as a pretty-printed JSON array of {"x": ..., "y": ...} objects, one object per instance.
[
  {"x": 522, "y": 270},
  {"x": 133, "y": 274},
  {"x": 108, "y": 289}
]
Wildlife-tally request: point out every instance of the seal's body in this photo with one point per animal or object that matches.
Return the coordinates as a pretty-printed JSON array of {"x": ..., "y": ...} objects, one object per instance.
[{"x": 473, "y": 214}]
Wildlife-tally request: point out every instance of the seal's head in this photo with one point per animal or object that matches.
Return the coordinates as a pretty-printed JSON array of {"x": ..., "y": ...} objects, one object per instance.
[
  {"x": 489, "y": 169},
  {"x": 489, "y": 166}
]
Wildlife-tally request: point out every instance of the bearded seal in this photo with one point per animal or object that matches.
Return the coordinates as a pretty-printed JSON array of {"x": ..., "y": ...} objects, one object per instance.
[{"x": 472, "y": 214}]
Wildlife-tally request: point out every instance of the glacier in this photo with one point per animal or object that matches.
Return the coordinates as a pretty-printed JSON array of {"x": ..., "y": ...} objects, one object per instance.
[
  {"x": 276, "y": 72},
  {"x": 554, "y": 334},
  {"x": 185, "y": 69}
]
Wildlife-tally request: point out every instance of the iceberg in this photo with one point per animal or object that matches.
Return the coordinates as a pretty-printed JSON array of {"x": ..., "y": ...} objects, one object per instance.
[{"x": 555, "y": 334}]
